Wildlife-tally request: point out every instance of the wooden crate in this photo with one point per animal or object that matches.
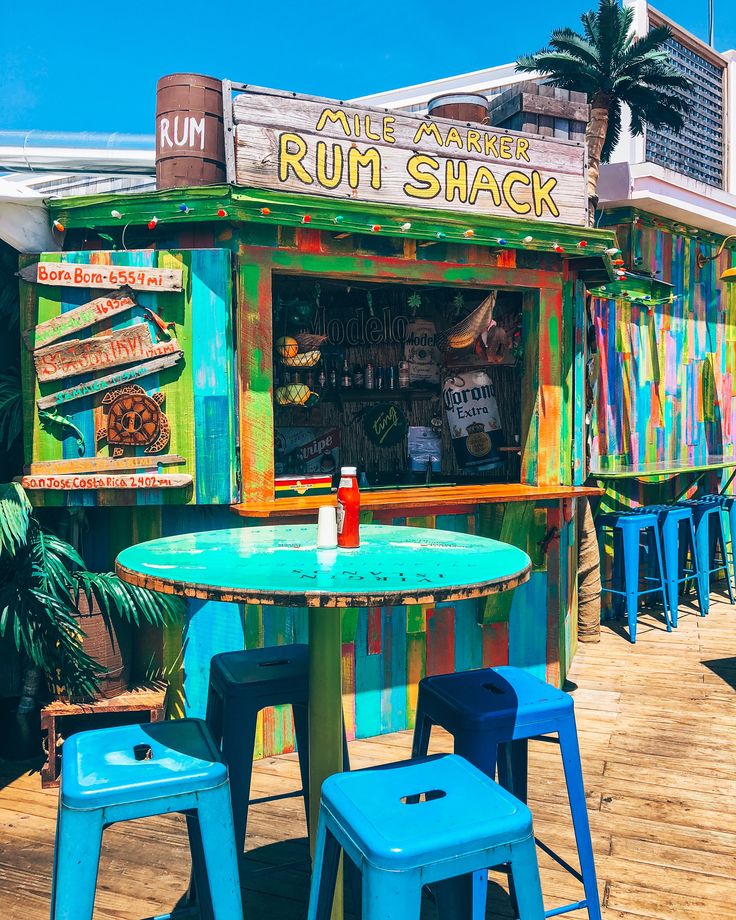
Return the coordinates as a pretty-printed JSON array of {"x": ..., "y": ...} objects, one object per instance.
[
  {"x": 148, "y": 698},
  {"x": 539, "y": 109}
]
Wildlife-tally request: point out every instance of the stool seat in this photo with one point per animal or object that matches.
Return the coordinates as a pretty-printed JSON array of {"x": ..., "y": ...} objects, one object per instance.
[
  {"x": 504, "y": 699},
  {"x": 462, "y": 812},
  {"x": 134, "y": 763},
  {"x": 282, "y": 671}
]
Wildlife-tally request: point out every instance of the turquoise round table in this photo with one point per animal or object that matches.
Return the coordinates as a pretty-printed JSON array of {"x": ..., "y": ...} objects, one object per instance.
[{"x": 282, "y": 565}]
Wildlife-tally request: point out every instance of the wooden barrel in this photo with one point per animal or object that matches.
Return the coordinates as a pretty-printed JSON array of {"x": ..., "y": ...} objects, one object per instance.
[
  {"x": 460, "y": 107},
  {"x": 190, "y": 138}
]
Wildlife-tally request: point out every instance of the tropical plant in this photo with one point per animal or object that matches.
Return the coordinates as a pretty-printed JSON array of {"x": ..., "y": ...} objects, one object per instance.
[
  {"x": 614, "y": 68},
  {"x": 41, "y": 581},
  {"x": 11, "y": 408}
]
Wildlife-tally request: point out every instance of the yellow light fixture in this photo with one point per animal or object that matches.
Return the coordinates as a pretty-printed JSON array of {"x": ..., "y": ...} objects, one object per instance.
[{"x": 702, "y": 260}]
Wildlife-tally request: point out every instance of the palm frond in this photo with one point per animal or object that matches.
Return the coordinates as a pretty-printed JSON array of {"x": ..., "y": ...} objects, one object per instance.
[
  {"x": 129, "y": 602},
  {"x": 569, "y": 42},
  {"x": 11, "y": 408},
  {"x": 653, "y": 41},
  {"x": 15, "y": 515}
]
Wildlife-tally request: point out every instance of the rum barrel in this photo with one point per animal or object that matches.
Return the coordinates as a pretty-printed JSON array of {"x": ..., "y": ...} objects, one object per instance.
[
  {"x": 190, "y": 138},
  {"x": 460, "y": 107}
]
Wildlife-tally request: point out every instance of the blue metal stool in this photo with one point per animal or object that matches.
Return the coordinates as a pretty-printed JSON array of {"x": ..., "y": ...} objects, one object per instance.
[
  {"x": 414, "y": 824},
  {"x": 491, "y": 714},
  {"x": 710, "y": 537},
  {"x": 243, "y": 683},
  {"x": 729, "y": 506},
  {"x": 627, "y": 528},
  {"x": 135, "y": 771},
  {"x": 677, "y": 533}
]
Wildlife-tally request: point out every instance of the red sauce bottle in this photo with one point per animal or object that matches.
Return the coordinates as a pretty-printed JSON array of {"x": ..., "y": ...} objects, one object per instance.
[{"x": 348, "y": 508}]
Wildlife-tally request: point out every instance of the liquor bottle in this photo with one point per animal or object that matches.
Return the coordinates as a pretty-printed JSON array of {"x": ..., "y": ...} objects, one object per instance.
[
  {"x": 333, "y": 377},
  {"x": 392, "y": 375},
  {"x": 379, "y": 378},
  {"x": 358, "y": 377},
  {"x": 403, "y": 375},
  {"x": 348, "y": 508},
  {"x": 370, "y": 376},
  {"x": 346, "y": 381},
  {"x": 322, "y": 378}
]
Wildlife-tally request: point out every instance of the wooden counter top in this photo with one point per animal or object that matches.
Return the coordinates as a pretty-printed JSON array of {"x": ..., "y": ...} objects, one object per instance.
[{"x": 419, "y": 500}]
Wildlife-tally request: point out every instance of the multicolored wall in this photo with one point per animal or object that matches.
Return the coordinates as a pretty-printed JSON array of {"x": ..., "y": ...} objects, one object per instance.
[{"x": 666, "y": 383}]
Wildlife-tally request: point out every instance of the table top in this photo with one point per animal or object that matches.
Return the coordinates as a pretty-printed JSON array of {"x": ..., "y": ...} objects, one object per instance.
[
  {"x": 282, "y": 565},
  {"x": 665, "y": 468}
]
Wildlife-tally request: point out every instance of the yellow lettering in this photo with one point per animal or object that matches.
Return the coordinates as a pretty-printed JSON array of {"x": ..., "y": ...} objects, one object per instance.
[
  {"x": 511, "y": 179},
  {"x": 336, "y": 116},
  {"x": 542, "y": 194},
  {"x": 370, "y": 159},
  {"x": 484, "y": 181},
  {"x": 323, "y": 179},
  {"x": 428, "y": 128},
  {"x": 505, "y": 144},
  {"x": 473, "y": 139},
  {"x": 456, "y": 182},
  {"x": 453, "y": 137},
  {"x": 356, "y": 125},
  {"x": 292, "y": 159},
  {"x": 428, "y": 185},
  {"x": 388, "y": 129},
  {"x": 490, "y": 144},
  {"x": 522, "y": 149},
  {"x": 372, "y": 137}
]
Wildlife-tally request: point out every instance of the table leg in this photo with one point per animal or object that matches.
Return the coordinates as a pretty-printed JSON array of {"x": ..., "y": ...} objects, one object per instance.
[{"x": 325, "y": 715}]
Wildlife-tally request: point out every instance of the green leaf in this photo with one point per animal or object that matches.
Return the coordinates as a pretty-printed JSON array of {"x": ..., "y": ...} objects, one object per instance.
[{"x": 15, "y": 514}]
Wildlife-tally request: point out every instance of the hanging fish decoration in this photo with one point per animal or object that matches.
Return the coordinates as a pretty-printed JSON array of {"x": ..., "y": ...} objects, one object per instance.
[{"x": 55, "y": 423}]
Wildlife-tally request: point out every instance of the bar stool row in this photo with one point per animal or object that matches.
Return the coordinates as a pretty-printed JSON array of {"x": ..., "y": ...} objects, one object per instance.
[
  {"x": 434, "y": 820},
  {"x": 687, "y": 543}
]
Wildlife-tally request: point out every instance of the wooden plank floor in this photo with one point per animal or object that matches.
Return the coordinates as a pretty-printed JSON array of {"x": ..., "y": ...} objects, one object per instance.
[{"x": 657, "y": 724}]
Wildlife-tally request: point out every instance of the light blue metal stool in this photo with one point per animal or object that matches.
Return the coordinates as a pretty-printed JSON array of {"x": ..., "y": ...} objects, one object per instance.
[
  {"x": 628, "y": 527},
  {"x": 729, "y": 506},
  {"x": 491, "y": 714},
  {"x": 677, "y": 534},
  {"x": 135, "y": 771},
  {"x": 418, "y": 823},
  {"x": 710, "y": 538}
]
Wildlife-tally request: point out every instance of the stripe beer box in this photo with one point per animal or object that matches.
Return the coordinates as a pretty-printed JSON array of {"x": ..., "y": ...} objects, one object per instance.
[{"x": 309, "y": 484}]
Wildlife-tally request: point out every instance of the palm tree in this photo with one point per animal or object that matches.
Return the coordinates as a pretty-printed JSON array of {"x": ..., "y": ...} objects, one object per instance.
[{"x": 614, "y": 68}]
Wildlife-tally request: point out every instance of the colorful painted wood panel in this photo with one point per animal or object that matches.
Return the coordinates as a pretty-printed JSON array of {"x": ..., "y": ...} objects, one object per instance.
[{"x": 192, "y": 392}]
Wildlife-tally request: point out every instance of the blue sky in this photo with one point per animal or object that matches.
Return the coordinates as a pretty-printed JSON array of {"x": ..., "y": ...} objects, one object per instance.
[{"x": 74, "y": 67}]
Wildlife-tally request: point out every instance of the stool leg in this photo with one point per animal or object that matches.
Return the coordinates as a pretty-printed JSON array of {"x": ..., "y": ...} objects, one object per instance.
[
  {"x": 301, "y": 730},
  {"x": 665, "y": 601},
  {"x": 695, "y": 566},
  {"x": 732, "y": 533},
  {"x": 570, "y": 752},
  {"x": 324, "y": 873},
  {"x": 238, "y": 743},
  {"x": 391, "y": 895},
  {"x": 422, "y": 732},
  {"x": 76, "y": 861},
  {"x": 220, "y": 853},
  {"x": 702, "y": 551},
  {"x": 525, "y": 872},
  {"x": 721, "y": 538},
  {"x": 671, "y": 553},
  {"x": 631, "y": 579}
]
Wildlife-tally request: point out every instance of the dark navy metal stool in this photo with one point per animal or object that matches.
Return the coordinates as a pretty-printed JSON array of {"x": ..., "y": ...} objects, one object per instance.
[
  {"x": 243, "y": 683},
  {"x": 710, "y": 538},
  {"x": 491, "y": 714},
  {"x": 628, "y": 528}
]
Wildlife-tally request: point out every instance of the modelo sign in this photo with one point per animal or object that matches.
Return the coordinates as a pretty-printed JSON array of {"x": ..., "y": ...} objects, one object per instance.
[{"x": 318, "y": 146}]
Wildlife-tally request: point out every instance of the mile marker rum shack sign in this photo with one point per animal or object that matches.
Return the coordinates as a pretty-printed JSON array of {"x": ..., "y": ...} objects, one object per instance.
[{"x": 322, "y": 147}]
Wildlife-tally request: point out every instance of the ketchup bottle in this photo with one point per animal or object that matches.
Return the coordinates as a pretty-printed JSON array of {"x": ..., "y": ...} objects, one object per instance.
[{"x": 348, "y": 508}]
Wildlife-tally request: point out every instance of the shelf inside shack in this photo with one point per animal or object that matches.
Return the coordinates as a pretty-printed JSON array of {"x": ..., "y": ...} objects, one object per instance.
[{"x": 415, "y": 385}]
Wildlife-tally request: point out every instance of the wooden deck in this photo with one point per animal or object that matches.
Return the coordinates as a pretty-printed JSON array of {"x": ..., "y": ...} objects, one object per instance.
[{"x": 657, "y": 724}]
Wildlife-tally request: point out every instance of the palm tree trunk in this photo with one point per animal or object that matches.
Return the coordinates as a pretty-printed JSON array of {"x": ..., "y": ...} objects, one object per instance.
[{"x": 595, "y": 138}]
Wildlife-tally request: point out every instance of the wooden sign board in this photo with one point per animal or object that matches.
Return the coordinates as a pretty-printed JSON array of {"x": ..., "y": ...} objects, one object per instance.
[
  {"x": 69, "y": 481},
  {"x": 79, "y": 318},
  {"x": 100, "y": 384},
  {"x": 68, "y": 274},
  {"x": 100, "y": 464},
  {"x": 322, "y": 147},
  {"x": 81, "y": 356}
]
